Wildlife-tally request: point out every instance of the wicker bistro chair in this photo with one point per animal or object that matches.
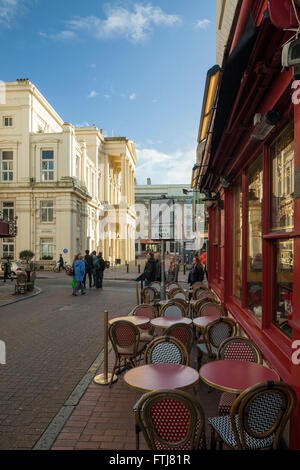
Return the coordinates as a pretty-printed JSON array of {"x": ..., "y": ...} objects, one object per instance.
[
  {"x": 173, "y": 309},
  {"x": 182, "y": 332},
  {"x": 125, "y": 340},
  {"x": 173, "y": 285},
  {"x": 183, "y": 303},
  {"x": 149, "y": 295},
  {"x": 214, "y": 334},
  {"x": 157, "y": 286},
  {"x": 199, "y": 284},
  {"x": 201, "y": 293},
  {"x": 211, "y": 308},
  {"x": 181, "y": 295},
  {"x": 171, "y": 420},
  {"x": 200, "y": 302},
  {"x": 241, "y": 349},
  {"x": 257, "y": 418},
  {"x": 146, "y": 331},
  {"x": 163, "y": 350}
]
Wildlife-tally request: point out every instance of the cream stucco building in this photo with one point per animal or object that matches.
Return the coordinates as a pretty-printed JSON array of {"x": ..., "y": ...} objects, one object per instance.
[{"x": 70, "y": 187}]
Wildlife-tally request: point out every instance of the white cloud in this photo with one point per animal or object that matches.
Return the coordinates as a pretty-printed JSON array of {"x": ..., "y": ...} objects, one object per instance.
[
  {"x": 203, "y": 24},
  {"x": 9, "y": 9},
  {"x": 107, "y": 96},
  {"x": 93, "y": 94},
  {"x": 134, "y": 25},
  {"x": 132, "y": 96},
  {"x": 65, "y": 35},
  {"x": 173, "y": 168}
]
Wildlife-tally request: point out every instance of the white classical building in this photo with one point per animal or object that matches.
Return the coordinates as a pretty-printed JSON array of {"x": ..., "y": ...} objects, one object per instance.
[{"x": 71, "y": 188}]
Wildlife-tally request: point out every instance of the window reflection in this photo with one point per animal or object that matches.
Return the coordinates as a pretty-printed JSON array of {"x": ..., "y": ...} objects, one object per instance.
[
  {"x": 237, "y": 239},
  {"x": 254, "y": 261},
  {"x": 282, "y": 154},
  {"x": 284, "y": 285}
]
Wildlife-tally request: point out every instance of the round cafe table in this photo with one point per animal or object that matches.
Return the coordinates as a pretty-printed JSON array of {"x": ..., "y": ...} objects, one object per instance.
[
  {"x": 134, "y": 319},
  {"x": 161, "y": 376},
  {"x": 165, "y": 322},
  {"x": 235, "y": 376},
  {"x": 202, "y": 322}
]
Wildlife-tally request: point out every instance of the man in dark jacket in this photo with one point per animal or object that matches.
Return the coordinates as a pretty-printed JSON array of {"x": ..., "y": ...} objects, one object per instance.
[
  {"x": 102, "y": 266},
  {"x": 197, "y": 273},
  {"x": 88, "y": 259},
  {"x": 149, "y": 272}
]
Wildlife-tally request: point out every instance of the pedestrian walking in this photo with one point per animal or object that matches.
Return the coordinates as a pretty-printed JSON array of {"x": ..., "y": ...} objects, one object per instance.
[
  {"x": 157, "y": 267},
  {"x": 173, "y": 270},
  {"x": 79, "y": 272},
  {"x": 102, "y": 266},
  {"x": 7, "y": 270},
  {"x": 149, "y": 272},
  {"x": 96, "y": 270},
  {"x": 61, "y": 263},
  {"x": 88, "y": 259},
  {"x": 197, "y": 272},
  {"x": 203, "y": 261}
]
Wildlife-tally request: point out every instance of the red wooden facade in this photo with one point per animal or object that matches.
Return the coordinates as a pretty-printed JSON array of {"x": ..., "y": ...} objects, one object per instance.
[{"x": 254, "y": 229}]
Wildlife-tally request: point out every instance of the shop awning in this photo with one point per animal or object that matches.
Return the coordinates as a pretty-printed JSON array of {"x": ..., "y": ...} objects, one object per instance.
[{"x": 228, "y": 90}]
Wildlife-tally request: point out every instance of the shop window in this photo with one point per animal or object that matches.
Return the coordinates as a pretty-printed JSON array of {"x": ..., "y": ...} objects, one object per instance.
[
  {"x": 284, "y": 285},
  {"x": 282, "y": 156},
  {"x": 237, "y": 239},
  {"x": 254, "y": 259}
]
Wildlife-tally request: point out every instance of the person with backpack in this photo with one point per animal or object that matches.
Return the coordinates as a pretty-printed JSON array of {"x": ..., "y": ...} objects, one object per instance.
[
  {"x": 96, "y": 269},
  {"x": 7, "y": 270},
  {"x": 102, "y": 266},
  {"x": 88, "y": 259}
]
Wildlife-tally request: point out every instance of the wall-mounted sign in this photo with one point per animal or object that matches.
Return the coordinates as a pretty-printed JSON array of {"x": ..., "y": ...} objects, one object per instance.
[
  {"x": 162, "y": 219},
  {"x": 65, "y": 251}
]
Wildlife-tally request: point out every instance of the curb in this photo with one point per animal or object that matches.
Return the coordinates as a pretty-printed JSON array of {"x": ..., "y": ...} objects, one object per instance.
[
  {"x": 51, "y": 433},
  {"x": 39, "y": 291}
]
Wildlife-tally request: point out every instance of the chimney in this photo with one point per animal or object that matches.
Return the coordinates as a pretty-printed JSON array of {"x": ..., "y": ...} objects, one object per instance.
[{"x": 149, "y": 181}]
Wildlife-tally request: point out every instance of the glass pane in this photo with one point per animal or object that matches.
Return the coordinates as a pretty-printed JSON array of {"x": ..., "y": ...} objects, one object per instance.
[
  {"x": 47, "y": 154},
  {"x": 284, "y": 285},
  {"x": 237, "y": 239},
  {"x": 254, "y": 261},
  {"x": 282, "y": 154},
  {"x": 7, "y": 155}
]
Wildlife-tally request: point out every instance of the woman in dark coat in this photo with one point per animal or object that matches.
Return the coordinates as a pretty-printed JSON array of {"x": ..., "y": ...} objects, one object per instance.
[
  {"x": 150, "y": 270},
  {"x": 197, "y": 272}
]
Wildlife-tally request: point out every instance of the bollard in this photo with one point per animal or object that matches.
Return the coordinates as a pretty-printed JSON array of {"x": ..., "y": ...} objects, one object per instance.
[
  {"x": 142, "y": 286},
  {"x": 184, "y": 268},
  {"x": 137, "y": 293},
  {"x": 105, "y": 378},
  {"x": 127, "y": 268},
  {"x": 139, "y": 268}
]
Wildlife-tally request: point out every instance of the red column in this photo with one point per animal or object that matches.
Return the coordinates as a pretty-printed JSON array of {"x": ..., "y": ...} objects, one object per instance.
[{"x": 295, "y": 375}]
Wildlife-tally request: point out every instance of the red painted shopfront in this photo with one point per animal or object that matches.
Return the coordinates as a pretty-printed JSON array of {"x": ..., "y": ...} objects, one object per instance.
[{"x": 250, "y": 171}]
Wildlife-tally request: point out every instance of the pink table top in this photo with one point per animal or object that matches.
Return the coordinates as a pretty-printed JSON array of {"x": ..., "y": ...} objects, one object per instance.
[
  {"x": 165, "y": 322},
  {"x": 135, "y": 319},
  {"x": 235, "y": 376},
  {"x": 202, "y": 322},
  {"x": 161, "y": 376}
]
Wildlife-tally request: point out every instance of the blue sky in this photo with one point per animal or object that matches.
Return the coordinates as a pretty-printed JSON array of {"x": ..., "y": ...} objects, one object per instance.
[{"x": 133, "y": 68}]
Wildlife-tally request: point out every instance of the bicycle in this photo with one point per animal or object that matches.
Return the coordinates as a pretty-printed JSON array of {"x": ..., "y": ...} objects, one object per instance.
[{"x": 66, "y": 267}]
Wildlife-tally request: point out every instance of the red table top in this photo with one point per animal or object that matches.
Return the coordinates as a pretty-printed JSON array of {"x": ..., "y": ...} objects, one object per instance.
[
  {"x": 135, "y": 319},
  {"x": 202, "y": 322},
  {"x": 165, "y": 322},
  {"x": 235, "y": 376},
  {"x": 161, "y": 376}
]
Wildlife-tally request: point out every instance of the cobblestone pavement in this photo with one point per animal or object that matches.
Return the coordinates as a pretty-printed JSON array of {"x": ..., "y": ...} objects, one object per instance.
[
  {"x": 7, "y": 293},
  {"x": 51, "y": 341}
]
